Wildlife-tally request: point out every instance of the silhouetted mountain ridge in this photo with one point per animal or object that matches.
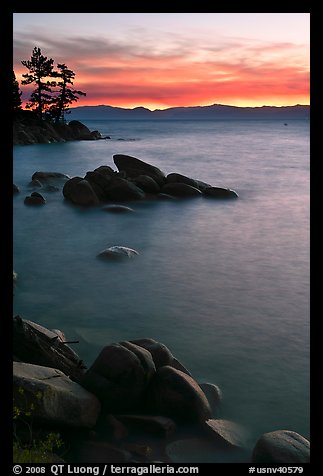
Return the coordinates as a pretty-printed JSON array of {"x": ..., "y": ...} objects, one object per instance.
[{"x": 214, "y": 111}]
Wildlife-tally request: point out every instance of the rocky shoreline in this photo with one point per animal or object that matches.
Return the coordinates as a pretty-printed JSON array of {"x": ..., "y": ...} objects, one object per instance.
[
  {"x": 135, "y": 403},
  {"x": 28, "y": 129}
]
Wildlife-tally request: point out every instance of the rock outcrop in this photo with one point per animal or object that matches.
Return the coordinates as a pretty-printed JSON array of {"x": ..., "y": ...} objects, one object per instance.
[
  {"x": 28, "y": 129},
  {"x": 132, "y": 405},
  {"x": 53, "y": 397},
  {"x": 138, "y": 180}
]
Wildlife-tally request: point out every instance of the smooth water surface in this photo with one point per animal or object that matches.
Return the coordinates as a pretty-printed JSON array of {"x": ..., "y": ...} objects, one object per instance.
[{"x": 224, "y": 284}]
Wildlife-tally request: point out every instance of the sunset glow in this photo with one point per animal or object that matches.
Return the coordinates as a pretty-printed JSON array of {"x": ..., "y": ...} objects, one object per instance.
[{"x": 173, "y": 59}]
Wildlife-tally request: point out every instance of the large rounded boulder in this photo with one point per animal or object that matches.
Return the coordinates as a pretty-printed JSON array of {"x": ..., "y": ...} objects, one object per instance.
[
  {"x": 282, "y": 447},
  {"x": 119, "y": 376},
  {"x": 175, "y": 394},
  {"x": 134, "y": 167},
  {"x": 80, "y": 192},
  {"x": 100, "y": 183}
]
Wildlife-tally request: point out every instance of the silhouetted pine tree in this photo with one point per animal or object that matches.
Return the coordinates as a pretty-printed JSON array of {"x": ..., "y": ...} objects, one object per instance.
[
  {"x": 16, "y": 94},
  {"x": 66, "y": 95},
  {"x": 40, "y": 68}
]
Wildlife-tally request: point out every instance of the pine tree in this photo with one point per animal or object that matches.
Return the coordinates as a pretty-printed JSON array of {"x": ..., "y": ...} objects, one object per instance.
[
  {"x": 40, "y": 68},
  {"x": 16, "y": 94},
  {"x": 66, "y": 95}
]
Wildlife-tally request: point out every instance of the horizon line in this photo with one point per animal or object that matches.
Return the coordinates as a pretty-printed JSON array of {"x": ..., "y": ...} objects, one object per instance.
[{"x": 185, "y": 107}]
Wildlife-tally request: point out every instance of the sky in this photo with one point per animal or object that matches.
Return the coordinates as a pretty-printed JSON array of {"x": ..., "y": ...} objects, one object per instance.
[{"x": 161, "y": 60}]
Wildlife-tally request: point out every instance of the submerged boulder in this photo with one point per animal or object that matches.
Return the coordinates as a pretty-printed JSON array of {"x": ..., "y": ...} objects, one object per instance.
[
  {"x": 117, "y": 253},
  {"x": 35, "y": 199},
  {"x": 49, "y": 176}
]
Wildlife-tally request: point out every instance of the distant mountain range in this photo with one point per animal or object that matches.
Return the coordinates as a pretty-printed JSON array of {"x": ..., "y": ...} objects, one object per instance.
[{"x": 215, "y": 111}]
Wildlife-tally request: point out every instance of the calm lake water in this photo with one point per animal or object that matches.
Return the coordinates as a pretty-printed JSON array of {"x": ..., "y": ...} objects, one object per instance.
[{"x": 224, "y": 284}]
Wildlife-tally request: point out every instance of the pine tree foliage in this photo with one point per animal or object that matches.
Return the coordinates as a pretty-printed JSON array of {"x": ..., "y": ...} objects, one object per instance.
[
  {"x": 65, "y": 95},
  {"x": 51, "y": 97},
  {"x": 40, "y": 70},
  {"x": 16, "y": 94}
]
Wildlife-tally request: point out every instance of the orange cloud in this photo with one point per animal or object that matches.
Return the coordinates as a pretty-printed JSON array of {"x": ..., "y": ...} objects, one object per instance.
[{"x": 179, "y": 73}]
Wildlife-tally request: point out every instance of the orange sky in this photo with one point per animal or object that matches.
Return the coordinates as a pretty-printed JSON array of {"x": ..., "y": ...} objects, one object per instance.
[{"x": 165, "y": 66}]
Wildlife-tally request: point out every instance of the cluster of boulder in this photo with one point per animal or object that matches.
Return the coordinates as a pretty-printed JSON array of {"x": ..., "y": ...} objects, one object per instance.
[
  {"x": 135, "y": 403},
  {"x": 29, "y": 129},
  {"x": 136, "y": 180},
  {"x": 133, "y": 180}
]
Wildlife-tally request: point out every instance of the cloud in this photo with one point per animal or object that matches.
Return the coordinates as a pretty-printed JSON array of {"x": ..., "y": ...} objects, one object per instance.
[{"x": 175, "y": 70}]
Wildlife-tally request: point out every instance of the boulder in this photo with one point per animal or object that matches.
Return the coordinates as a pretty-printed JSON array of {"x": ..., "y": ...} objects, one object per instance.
[
  {"x": 105, "y": 170},
  {"x": 213, "y": 394},
  {"x": 281, "y": 447},
  {"x": 179, "y": 178},
  {"x": 117, "y": 253},
  {"x": 80, "y": 192},
  {"x": 202, "y": 185},
  {"x": 100, "y": 183},
  {"x": 35, "y": 344},
  {"x": 80, "y": 131},
  {"x": 134, "y": 167},
  {"x": 55, "y": 398},
  {"x": 181, "y": 190},
  {"x": 49, "y": 176},
  {"x": 69, "y": 187},
  {"x": 15, "y": 188},
  {"x": 161, "y": 354},
  {"x": 175, "y": 394},
  {"x": 227, "y": 432},
  {"x": 218, "y": 192},
  {"x": 122, "y": 189},
  {"x": 35, "y": 183},
  {"x": 147, "y": 184},
  {"x": 145, "y": 358},
  {"x": 119, "y": 377},
  {"x": 35, "y": 199}
]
